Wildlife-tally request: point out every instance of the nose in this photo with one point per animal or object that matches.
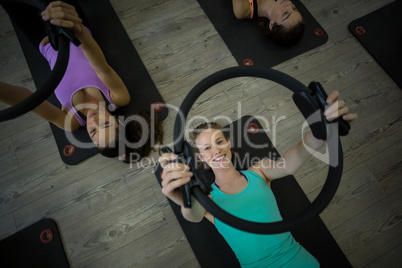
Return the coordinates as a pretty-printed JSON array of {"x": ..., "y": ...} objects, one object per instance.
[
  {"x": 92, "y": 119},
  {"x": 216, "y": 150}
]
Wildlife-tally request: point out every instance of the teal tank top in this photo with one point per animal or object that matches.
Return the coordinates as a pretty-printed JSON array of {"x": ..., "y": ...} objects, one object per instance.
[{"x": 257, "y": 203}]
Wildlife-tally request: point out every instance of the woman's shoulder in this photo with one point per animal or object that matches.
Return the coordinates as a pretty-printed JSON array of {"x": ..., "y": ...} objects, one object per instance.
[
  {"x": 256, "y": 172},
  {"x": 252, "y": 171}
]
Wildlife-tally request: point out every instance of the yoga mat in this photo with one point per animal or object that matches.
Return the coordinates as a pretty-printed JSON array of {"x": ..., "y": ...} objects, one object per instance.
[
  {"x": 246, "y": 41},
  {"x": 31, "y": 248},
  {"x": 120, "y": 53},
  {"x": 380, "y": 32},
  {"x": 208, "y": 245}
]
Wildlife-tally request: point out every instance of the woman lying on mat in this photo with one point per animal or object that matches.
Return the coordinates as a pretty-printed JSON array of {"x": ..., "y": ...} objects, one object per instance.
[
  {"x": 87, "y": 80},
  {"x": 246, "y": 193},
  {"x": 279, "y": 20}
]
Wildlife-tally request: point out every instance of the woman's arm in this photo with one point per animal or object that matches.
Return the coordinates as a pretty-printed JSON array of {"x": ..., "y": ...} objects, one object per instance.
[
  {"x": 298, "y": 155},
  {"x": 241, "y": 9},
  {"x": 173, "y": 177},
  {"x": 62, "y": 14},
  {"x": 11, "y": 95}
]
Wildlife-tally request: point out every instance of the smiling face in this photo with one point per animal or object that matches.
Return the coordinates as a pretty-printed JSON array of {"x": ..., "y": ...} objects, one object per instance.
[
  {"x": 285, "y": 13},
  {"x": 101, "y": 128},
  {"x": 214, "y": 149}
]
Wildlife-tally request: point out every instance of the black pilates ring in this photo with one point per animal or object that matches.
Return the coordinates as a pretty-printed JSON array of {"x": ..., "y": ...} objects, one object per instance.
[
  {"x": 41, "y": 94},
  {"x": 334, "y": 173}
]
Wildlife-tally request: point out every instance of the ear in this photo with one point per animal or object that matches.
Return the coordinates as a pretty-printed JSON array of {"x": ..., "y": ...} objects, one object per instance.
[{"x": 271, "y": 24}]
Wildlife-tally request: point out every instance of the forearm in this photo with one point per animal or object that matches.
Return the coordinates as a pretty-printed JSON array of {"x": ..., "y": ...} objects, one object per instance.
[
  {"x": 298, "y": 155},
  {"x": 12, "y": 95},
  {"x": 92, "y": 52},
  {"x": 195, "y": 213}
]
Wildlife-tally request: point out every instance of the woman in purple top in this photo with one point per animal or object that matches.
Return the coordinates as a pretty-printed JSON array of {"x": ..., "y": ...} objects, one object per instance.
[{"x": 87, "y": 80}]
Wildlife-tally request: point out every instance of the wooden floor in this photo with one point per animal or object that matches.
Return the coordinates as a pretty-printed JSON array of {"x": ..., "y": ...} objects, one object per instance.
[{"x": 114, "y": 215}]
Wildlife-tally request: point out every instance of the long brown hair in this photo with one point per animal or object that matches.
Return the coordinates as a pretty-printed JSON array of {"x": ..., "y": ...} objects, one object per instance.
[{"x": 133, "y": 133}]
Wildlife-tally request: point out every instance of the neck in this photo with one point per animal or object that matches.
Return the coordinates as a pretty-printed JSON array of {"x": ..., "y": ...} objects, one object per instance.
[
  {"x": 225, "y": 175},
  {"x": 265, "y": 8}
]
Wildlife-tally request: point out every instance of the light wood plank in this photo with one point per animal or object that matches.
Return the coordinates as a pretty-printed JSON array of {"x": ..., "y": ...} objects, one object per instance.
[{"x": 372, "y": 233}]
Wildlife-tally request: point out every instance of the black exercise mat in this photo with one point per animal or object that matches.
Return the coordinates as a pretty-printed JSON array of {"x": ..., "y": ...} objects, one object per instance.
[
  {"x": 212, "y": 250},
  {"x": 246, "y": 41},
  {"x": 380, "y": 32},
  {"x": 38, "y": 245},
  {"x": 120, "y": 53}
]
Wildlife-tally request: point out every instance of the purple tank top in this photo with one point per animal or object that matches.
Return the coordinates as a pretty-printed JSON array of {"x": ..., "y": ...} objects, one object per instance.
[{"x": 79, "y": 74}]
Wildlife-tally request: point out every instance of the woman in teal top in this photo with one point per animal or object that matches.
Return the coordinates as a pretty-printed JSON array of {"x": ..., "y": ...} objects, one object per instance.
[
  {"x": 257, "y": 203},
  {"x": 247, "y": 194}
]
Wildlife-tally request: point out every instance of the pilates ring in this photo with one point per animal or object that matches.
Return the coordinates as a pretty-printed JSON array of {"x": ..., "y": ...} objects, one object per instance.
[
  {"x": 248, "y": 62},
  {"x": 252, "y": 128},
  {"x": 360, "y": 30},
  {"x": 198, "y": 186},
  {"x": 318, "y": 32},
  {"x": 62, "y": 38},
  {"x": 69, "y": 150},
  {"x": 46, "y": 236},
  {"x": 157, "y": 106}
]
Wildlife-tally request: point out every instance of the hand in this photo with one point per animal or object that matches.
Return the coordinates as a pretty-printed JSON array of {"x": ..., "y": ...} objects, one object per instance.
[
  {"x": 174, "y": 176},
  {"x": 337, "y": 108},
  {"x": 64, "y": 15}
]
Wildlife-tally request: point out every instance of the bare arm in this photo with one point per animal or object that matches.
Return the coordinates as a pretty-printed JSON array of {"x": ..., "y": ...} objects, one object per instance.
[
  {"x": 62, "y": 14},
  {"x": 298, "y": 155},
  {"x": 241, "y": 9},
  {"x": 173, "y": 177},
  {"x": 11, "y": 95}
]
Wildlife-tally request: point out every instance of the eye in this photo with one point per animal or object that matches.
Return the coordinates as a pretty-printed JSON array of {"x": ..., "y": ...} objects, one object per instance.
[
  {"x": 219, "y": 142},
  {"x": 92, "y": 132},
  {"x": 207, "y": 148}
]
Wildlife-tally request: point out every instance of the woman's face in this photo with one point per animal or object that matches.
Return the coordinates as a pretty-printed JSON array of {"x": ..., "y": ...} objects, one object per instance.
[
  {"x": 285, "y": 13},
  {"x": 101, "y": 128},
  {"x": 214, "y": 149}
]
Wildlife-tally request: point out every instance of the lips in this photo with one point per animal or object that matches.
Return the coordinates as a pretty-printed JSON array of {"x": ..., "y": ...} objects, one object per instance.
[
  {"x": 219, "y": 158},
  {"x": 92, "y": 114}
]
